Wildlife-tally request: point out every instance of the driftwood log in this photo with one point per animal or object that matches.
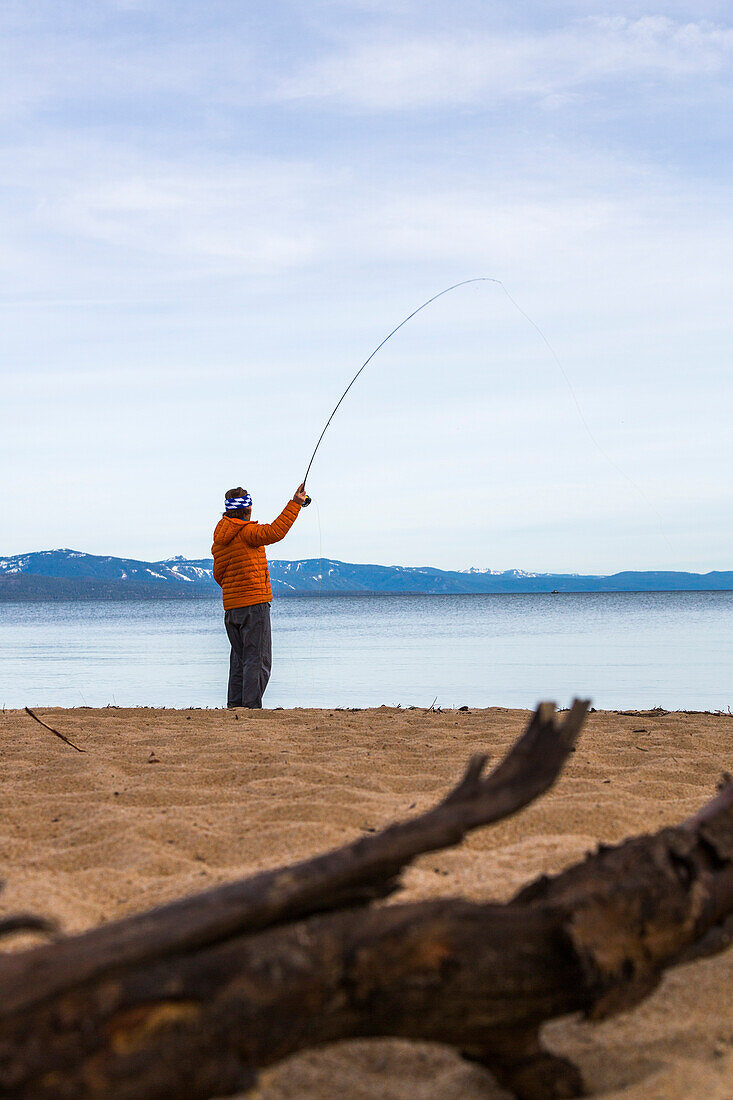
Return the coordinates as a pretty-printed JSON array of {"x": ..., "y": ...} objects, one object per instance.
[{"x": 191, "y": 999}]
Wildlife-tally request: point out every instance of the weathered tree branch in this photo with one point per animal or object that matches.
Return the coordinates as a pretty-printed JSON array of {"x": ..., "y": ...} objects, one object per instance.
[
  {"x": 356, "y": 873},
  {"x": 204, "y": 993},
  {"x": 25, "y": 922}
]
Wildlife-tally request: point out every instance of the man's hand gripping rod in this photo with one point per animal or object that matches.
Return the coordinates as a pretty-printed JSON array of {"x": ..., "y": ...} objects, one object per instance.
[{"x": 301, "y": 497}]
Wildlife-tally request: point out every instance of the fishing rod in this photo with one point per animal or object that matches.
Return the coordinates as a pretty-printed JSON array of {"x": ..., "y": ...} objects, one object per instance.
[
  {"x": 465, "y": 282},
  {"x": 497, "y": 282}
]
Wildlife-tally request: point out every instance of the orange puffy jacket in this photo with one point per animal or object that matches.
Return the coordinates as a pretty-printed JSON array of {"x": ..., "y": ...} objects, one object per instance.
[{"x": 240, "y": 562}]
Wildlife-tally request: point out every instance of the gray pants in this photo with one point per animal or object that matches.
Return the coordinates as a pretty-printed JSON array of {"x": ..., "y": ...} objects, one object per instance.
[{"x": 250, "y": 661}]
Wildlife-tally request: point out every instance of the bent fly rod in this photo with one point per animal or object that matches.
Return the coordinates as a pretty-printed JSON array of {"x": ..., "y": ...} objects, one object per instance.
[
  {"x": 367, "y": 361},
  {"x": 553, "y": 353}
]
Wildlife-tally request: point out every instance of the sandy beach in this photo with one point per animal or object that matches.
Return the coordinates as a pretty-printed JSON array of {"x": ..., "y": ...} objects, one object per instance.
[{"x": 163, "y": 803}]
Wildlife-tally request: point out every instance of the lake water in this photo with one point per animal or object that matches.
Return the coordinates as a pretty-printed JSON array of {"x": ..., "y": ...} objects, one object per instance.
[{"x": 623, "y": 650}]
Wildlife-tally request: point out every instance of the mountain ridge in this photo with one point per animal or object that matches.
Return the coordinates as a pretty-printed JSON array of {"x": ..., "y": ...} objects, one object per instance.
[{"x": 74, "y": 574}]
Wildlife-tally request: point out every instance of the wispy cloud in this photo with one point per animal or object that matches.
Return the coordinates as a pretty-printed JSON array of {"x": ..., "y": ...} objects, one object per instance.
[
  {"x": 120, "y": 56},
  {"x": 253, "y": 218},
  {"x": 413, "y": 73}
]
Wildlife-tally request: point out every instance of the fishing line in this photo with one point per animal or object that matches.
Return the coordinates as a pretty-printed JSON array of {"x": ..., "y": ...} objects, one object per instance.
[
  {"x": 318, "y": 616},
  {"x": 487, "y": 279}
]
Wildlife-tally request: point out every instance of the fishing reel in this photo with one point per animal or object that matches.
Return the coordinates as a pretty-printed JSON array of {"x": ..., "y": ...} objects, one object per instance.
[{"x": 306, "y": 502}]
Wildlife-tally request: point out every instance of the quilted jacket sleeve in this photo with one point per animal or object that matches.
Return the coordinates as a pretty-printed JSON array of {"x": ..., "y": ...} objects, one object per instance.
[{"x": 263, "y": 534}]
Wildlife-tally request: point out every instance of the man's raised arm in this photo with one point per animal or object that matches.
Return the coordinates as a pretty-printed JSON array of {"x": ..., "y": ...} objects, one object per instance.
[{"x": 264, "y": 534}]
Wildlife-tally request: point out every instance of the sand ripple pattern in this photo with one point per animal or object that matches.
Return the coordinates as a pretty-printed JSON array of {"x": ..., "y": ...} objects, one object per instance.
[{"x": 165, "y": 802}]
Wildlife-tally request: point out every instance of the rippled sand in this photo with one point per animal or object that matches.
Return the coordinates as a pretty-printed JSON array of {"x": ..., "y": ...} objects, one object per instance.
[{"x": 163, "y": 803}]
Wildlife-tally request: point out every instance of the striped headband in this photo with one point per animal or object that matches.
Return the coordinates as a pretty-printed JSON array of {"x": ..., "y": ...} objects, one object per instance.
[{"x": 230, "y": 503}]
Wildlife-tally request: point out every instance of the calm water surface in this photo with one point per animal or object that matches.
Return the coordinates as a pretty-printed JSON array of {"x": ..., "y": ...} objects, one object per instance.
[{"x": 624, "y": 650}]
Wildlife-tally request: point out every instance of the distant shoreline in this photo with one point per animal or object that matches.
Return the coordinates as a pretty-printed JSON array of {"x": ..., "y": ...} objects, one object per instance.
[{"x": 131, "y": 596}]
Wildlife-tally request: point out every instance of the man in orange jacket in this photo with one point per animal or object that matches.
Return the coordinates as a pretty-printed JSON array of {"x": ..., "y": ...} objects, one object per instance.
[{"x": 240, "y": 568}]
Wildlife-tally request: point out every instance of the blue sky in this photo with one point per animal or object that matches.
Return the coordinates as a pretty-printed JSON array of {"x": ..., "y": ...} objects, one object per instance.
[{"x": 211, "y": 213}]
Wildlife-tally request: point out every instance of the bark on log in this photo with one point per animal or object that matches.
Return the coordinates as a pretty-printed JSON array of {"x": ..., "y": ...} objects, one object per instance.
[{"x": 201, "y": 994}]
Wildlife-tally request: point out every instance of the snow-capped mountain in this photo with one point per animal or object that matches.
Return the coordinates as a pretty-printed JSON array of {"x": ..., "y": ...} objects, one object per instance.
[
  {"x": 67, "y": 573},
  {"x": 75, "y": 564}
]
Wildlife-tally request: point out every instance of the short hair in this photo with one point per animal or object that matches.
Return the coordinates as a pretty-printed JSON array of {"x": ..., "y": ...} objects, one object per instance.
[{"x": 237, "y": 513}]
